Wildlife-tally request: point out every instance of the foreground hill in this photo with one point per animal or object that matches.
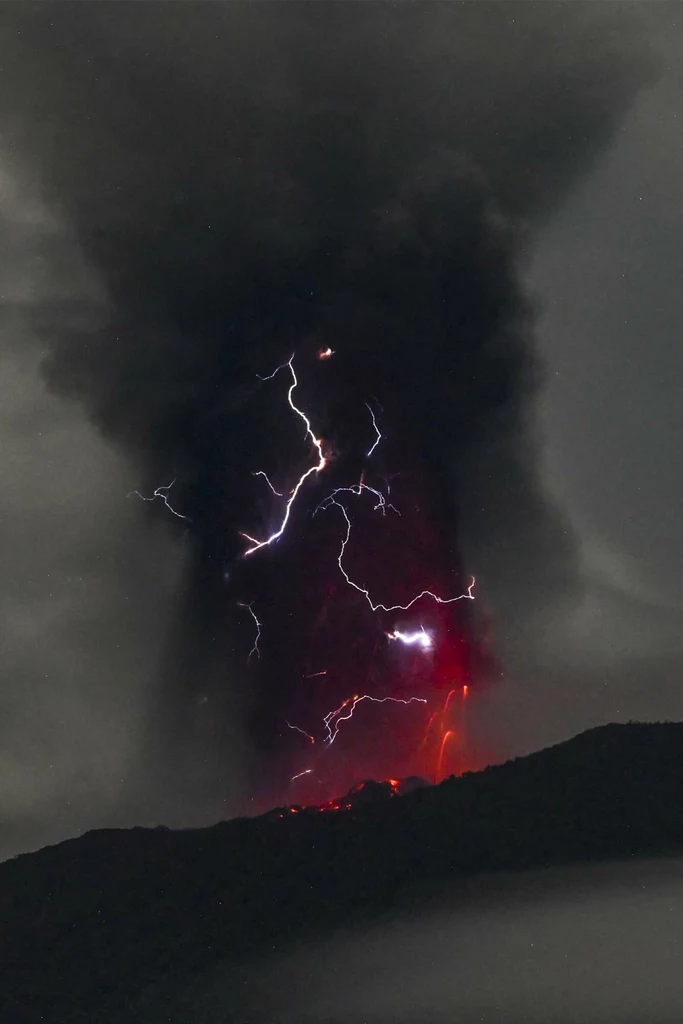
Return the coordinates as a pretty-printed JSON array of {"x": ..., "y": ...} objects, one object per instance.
[{"x": 87, "y": 924}]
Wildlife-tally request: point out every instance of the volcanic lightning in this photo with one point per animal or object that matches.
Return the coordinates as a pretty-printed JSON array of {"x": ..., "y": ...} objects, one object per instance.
[
  {"x": 259, "y": 472},
  {"x": 334, "y": 718},
  {"x": 255, "y": 648},
  {"x": 161, "y": 492},
  {"x": 316, "y": 468},
  {"x": 420, "y": 637},
  {"x": 468, "y": 595},
  {"x": 303, "y": 732},
  {"x": 374, "y": 423}
]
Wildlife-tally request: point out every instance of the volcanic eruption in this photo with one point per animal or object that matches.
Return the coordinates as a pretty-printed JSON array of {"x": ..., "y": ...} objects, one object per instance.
[
  {"x": 307, "y": 223},
  {"x": 385, "y": 661}
]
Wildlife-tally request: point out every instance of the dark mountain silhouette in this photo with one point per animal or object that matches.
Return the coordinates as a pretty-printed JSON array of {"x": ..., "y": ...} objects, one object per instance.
[{"x": 89, "y": 923}]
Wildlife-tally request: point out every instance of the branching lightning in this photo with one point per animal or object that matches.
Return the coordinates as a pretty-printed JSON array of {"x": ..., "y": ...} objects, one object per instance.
[
  {"x": 161, "y": 492},
  {"x": 255, "y": 648},
  {"x": 468, "y": 595},
  {"x": 316, "y": 468},
  {"x": 334, "y": 718},
  {"x": 358, "y": 489},
  {"x": 421, "y": 638}
]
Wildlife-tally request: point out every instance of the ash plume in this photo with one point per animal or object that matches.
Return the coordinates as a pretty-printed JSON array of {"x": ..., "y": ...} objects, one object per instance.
[{"x": 252, "y": 180}]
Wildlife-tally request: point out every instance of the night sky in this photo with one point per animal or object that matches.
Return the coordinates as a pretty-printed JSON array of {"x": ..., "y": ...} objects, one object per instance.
[{"x": 476, "y": 208}]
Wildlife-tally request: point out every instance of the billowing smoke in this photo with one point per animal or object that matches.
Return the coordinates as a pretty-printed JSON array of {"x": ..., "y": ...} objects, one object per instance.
[{"x": 252, "y": 180}]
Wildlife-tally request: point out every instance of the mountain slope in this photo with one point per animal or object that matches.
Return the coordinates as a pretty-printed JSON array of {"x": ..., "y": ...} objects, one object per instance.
[{"x": 87, "y": 923}]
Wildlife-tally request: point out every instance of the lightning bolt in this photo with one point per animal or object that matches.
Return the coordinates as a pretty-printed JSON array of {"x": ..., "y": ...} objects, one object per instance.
[
  {"x": 316, "y": 468},
  {"x": 302, "y": 731},
  {"x": 259, "y": 472},
  {"x": 334, "y": 719},
  {"x": 254, "y": 650},
  {"x": 161, "y": 492},
  {"x": 420, "y": 637},
  {"x": 374, "y": 423},
  {"x": 358, "y": 489},
  {"x": 394, "y": 607}
]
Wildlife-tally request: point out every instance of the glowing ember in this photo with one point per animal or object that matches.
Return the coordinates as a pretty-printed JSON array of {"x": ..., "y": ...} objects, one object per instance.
[
  {"x": 444, "y": 741},
  {"x": 362, "y": 794}
]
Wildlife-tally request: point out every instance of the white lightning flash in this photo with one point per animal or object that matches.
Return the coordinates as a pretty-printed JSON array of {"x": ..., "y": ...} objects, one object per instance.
[
  {"x": 317, "y": 468},
  {"x": 420, "y": 637},
  {"x": 394, "y": 607},
  {"x": 255, "y": 648},
  {"x": 334, "y": 718},
  {"x": 374, "y": 423},
  {"x": 259, "y": 472},
  {"x": 161, "y": 492}
]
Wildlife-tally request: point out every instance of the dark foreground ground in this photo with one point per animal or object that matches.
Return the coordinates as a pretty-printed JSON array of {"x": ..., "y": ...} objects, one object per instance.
[{"x": 89, "y": 924}]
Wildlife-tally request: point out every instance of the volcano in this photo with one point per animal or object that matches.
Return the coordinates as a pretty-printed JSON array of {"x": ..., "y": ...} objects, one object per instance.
[{"x": 92, "y": 925}]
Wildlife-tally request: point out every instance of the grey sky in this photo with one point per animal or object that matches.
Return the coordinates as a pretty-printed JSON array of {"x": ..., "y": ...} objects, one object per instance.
[
  {"x": 84, "y": 585},
  {"x": 608, "y": 276}
]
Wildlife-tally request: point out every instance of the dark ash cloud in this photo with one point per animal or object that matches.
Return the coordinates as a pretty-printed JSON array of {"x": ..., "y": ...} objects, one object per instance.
[{"x": 247, "y": 180}]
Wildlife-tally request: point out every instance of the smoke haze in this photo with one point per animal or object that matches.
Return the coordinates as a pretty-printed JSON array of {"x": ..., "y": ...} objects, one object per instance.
[{"x": 583, "y": 943}]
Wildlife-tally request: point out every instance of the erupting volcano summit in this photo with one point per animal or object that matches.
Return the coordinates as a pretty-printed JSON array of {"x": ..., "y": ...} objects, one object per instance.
[{"x": 360, "y": 600}]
